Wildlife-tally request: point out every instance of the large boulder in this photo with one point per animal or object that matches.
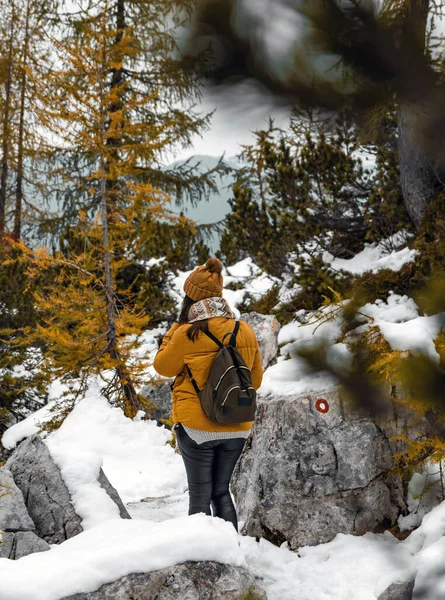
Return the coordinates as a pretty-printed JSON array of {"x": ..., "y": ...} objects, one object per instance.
[
  {"x": 312, "y": 469},
  {"x": 17, "y": 529},
  {"x": 21, "y": 543},
  {"x": 46, "y": 496},
  {"x": 398, "y": 591},
  {"x": 13, "y": 513},
  {"x": 266, "y": 328},
  {"x": 187, "y": 581}
]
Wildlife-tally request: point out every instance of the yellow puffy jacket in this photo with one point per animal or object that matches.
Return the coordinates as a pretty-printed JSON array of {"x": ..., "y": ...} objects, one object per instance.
[{"x": 177, "y": 350}]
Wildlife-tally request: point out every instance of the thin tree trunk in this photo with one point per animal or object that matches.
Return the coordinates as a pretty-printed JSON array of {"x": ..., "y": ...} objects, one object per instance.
[
  {"x": 117, "y": 78},
  {"x": 131, "y": 405},
  {"x": 6, "y": 130},
  {"x": 421, "y": 172},
  {"x": 19, "y": 185},
  {"x": 118, "y": 74}
]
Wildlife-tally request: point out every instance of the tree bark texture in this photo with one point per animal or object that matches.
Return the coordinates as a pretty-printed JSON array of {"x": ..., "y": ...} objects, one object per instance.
[
  {"x": 6, "y": 130},
  {"x": 131, "y": 402},
  {"x": 421, "y": 147},
  {"x": 21, "y": 145},
  {"x": 421, "y": 175}
]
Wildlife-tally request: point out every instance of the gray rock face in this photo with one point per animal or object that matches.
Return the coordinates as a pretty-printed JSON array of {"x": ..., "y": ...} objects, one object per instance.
[
  {"x": 188, "y": 581},
  {"x": 307, "y": 475},
  {"x": 19, "y": 544},
  {"x": 398, "y": 591},
  {"x": 5, "y": 453},
  {"x": 17, "y": 535},
  {"x": 46, "y": 496},
  {"x": 13, "y": 513},
  {"x": 266, "y": 328},
  {"x": 112, "y": 492},
  {"x": 160, "y": 394}
]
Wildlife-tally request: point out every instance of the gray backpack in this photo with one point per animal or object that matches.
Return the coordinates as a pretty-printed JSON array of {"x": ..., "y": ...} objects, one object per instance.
[{"x": 228, "y": 396}]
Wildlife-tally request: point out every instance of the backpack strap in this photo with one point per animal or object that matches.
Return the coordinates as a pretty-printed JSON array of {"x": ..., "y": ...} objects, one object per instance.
[
  {"x": 195, "y": 385},
  {"x": 233, "y": 335},
  {"x": 213, "y": 338}
]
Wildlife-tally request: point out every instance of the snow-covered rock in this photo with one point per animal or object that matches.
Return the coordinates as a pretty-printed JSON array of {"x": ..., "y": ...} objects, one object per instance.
[
  {"x": 375, "y": 257},
  {"x": 312, "y": 469},
  {"x": 266, "y": 328},
  {"x": 141, "y": 464},
  {"x": 46, "y": 495},
  {"x": 187, "y": 581},
  {"x": 48, "y": 501},
  {"x": 398, "y": 591}
]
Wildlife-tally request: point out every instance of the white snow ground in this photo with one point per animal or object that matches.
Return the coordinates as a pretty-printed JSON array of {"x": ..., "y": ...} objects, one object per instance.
[
  {"x": 150, "y": 479},
  {"x": 141, "y": 465}
]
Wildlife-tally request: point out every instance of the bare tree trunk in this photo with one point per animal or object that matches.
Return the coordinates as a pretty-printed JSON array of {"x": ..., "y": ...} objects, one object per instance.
[
  {"x": 19, "y": 184},
  {"x": 117, "y": 78},
  {"x": 421, "y": 175},
  {"x": 131, "y": 403},
  {"x": 6, "y": 130},
  {"x": 117, "y": 74},
  {"x": 421, "y": 169}
]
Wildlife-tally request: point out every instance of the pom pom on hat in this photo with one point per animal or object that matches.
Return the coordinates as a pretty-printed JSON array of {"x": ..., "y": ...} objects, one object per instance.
[
  {"x": 214, "y": 265},
  {"x": 205, "y": 281}
]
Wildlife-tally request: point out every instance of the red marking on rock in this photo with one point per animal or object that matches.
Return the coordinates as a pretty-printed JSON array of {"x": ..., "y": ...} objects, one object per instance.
[{"x": 322, "y": 405}]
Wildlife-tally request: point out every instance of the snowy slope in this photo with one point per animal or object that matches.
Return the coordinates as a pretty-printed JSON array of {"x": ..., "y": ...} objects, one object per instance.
[{"x": 139, "y": 463}]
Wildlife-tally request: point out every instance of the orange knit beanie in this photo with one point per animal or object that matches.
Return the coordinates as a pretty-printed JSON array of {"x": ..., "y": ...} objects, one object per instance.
[{"x": 205, "y": 281}]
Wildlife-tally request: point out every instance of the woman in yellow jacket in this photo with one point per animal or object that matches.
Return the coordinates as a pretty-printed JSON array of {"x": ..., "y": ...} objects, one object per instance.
[{"x": 209, "y": 449}]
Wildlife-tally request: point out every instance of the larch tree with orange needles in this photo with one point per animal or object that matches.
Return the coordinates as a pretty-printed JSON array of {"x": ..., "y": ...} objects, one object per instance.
[{"x": 86, "y": 327}]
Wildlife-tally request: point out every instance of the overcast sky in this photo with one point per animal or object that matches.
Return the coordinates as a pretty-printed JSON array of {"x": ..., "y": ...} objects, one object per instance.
[{"x": 238, "y": 113}]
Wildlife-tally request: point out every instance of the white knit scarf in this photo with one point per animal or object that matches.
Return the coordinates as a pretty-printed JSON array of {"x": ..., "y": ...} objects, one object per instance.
[{"x": 208, "y": 308}]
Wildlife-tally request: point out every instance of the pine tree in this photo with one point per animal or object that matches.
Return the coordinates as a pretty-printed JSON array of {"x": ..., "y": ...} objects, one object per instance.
[
  {"x": 25, "y": 57},
  {"x": 385, "y": 212},
  {"x": 9, "y": 33},
  {"x": 26, "y": 52},
  {"x": 152, "y": 70},
  {"x": 114, "y": 112},
  {"x": 305, "y": 188},
  {"x": 240, "y": 237},
  {"x": 84, "y": 323}
]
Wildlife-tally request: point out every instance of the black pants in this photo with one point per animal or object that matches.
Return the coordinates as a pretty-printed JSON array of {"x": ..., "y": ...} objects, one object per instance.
[{"x": 209, "y": 467}]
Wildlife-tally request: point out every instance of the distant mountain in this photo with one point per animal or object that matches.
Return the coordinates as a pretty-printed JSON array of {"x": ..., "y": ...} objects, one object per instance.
[{"x": 217, "y": 207}]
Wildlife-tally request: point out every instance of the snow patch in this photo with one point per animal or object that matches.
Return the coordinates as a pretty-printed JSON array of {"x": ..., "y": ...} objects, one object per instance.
[
  {"x": 374, "y": 257},
  {"x": 113, "y": 549}
]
